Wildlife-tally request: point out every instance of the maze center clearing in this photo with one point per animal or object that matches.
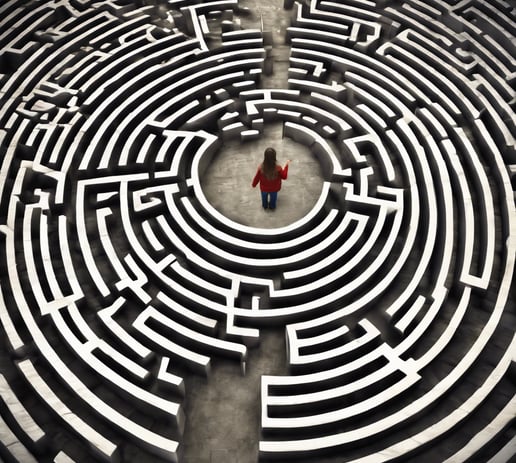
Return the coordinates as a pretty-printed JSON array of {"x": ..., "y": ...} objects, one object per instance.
[{"x": 233, "y": 169}]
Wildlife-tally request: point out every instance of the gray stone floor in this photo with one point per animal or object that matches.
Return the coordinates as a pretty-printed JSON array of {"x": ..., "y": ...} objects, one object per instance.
[{"x": 223, "y": 411}]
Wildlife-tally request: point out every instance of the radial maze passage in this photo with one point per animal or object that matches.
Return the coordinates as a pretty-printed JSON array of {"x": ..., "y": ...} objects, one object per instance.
[{"x": 118, "y": 278}]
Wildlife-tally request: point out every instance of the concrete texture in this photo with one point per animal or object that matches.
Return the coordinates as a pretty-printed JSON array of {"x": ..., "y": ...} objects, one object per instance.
[{"x": 223, "y": 411}]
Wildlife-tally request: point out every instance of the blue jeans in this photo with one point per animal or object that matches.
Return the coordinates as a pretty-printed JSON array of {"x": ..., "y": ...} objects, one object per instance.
[{"x": 269, "y": 199}]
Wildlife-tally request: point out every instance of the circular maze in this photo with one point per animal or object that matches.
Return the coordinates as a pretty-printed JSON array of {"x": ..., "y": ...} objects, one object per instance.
[{"x": 119, "y": 279}]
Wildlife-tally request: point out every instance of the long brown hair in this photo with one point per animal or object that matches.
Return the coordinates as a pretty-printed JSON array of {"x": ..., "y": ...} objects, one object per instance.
[{"x": 269, "y": 163}]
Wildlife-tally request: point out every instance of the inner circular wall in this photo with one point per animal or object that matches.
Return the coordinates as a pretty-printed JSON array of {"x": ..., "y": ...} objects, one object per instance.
[{"x": 226, "y": 182}]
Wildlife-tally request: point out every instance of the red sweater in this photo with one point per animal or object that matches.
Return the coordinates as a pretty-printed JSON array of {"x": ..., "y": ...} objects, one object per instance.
[{"x": 268, "y": 185}]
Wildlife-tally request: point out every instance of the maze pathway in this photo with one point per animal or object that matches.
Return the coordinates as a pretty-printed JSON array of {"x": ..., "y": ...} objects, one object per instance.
[{"x": 119, "y": 279}]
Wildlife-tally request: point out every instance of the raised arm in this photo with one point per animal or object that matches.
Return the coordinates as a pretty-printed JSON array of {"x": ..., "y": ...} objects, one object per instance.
[{"x": 284, "y": 171}]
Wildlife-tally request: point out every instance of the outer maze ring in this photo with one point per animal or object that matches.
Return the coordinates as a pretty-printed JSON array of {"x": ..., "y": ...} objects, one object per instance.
[{"x": 118, "y": 278}]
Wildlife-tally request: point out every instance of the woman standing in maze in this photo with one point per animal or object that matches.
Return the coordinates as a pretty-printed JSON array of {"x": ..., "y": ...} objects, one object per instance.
[{"x": 269, "y": 175}]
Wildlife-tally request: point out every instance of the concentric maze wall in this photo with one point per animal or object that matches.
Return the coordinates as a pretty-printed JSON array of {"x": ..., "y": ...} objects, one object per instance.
[{"x": 121, "y": 286}]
